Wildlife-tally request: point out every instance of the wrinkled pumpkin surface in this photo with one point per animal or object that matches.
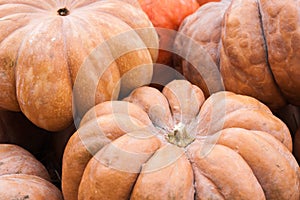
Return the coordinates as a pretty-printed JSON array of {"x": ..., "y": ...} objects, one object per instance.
[{"x": 255, "y": 45}]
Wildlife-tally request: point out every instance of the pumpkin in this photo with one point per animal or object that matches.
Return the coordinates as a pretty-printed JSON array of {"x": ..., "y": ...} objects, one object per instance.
[
  {"x": 165, "y": 16},
  {"x": 24, "y": 177},
  {"x": 255, "y": 45},
  {"x": 175, "y": 144},
  {"x": 49, "y": 49}
]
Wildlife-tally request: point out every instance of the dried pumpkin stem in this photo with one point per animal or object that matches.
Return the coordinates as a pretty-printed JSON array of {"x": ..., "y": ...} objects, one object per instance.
[
  {"x": 179, "y": 136},
  {"x": 63, "y": 11}
]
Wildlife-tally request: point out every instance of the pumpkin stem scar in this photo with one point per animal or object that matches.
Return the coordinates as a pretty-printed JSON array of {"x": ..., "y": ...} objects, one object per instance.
[
  {"x": 63, "y": 11},
  {"x": 179, "y": 136}
]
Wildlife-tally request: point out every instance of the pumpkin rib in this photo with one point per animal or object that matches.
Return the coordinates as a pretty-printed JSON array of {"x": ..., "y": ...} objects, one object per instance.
[
  {"x": 241, "y": 183},
  {"x": 172, "y": 180},
  {"x": 143, "y": 98},
  {"x": 129, "y": 69},
  {"x": 280, "y": 175},
  {"x": 84, "y": 144},
  {"x": 205, "y": 188},
  {"x": 33, "y": 4},
  {"x": 78, "y": 28},
  {"x": 15, "y": 31},
  {"x": 283, "y": 134},
  {"x": 280, "y": 23},
  {"x": 22, "y": 43},
  {"x": 65, "y": 48},
  {"x": 116, "y": 107},
  {"x": 247, "y": 73},
  {"x": 11, "y": 90},
  {"x": 81, "y": 4},
  {"x": 109, "y": 166},
  {"x": 281, "y": 148},
  {"x": 140, "y": 15},
  {"x": 10, "y": 8},
  {"x": 53, "y": 117},
  {"x": 185, "y": 101}
]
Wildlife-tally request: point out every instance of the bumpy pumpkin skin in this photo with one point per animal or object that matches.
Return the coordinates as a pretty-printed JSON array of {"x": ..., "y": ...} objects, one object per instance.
[
  {"x": 45, "y": 46},
  {"x": 182, "y": 146},
  {"x": 257, "y": 48},
  {"x": 24, "y": 177}
]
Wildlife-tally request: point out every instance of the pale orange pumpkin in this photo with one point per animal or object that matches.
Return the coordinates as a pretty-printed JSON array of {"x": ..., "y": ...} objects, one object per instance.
[
  {"x": 46, "y": 45},
  {"x": 175, "y": 144}
]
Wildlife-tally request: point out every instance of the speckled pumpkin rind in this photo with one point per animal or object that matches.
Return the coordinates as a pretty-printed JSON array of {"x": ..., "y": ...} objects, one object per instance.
[{"x": 46, "y": 58}]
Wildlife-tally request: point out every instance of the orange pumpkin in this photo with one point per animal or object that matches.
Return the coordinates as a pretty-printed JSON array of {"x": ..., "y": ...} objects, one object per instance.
[
  {"x": 24, "y": 177},
  {"x": 49, "y": 49},
  {"x": 167, "y": 15},
  {"x": 181, "y": 146},
  {"x": 253, "y": 43}
]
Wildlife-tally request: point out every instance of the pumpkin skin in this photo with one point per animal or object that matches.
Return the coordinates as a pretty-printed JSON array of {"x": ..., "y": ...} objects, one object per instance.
[
  {"x": 257, "y": 55},
  {"x": 24, "y": 177},
  {"x": 50, "y": 44},
  {"x": 201, "y": 2},
  {"x": 167, "y": 15},
  {"x": 182, "y": 146}
]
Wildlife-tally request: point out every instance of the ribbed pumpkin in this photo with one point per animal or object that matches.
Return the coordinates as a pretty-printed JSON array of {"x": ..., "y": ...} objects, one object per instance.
[
  {"x": 46, "y": 45},
  {"x": 255, "y": 44},
  {"x": 175, "y": 144},
  {"x": 24, "y": 177}
]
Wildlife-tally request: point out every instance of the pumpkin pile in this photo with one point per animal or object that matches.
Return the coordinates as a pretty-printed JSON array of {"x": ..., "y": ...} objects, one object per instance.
[
  {"x": 80, "y": 118},
  {"x": 255, "y": 45},
  {"x": 181, "y": 146}
]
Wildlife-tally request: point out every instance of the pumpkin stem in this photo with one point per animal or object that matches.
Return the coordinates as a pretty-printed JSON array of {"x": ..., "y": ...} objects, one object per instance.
[
  {"x": 63, "y": 11},
  {"x": 179, "y": 136}
]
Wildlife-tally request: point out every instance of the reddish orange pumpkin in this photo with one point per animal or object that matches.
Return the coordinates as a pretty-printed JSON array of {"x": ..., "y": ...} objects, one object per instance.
[{"x": 167, "y": 15}]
